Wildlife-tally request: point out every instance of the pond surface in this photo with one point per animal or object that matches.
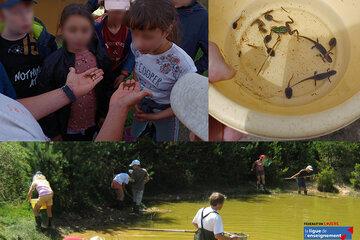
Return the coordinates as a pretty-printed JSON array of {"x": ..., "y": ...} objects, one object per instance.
[{"x": 262, "y": 217}]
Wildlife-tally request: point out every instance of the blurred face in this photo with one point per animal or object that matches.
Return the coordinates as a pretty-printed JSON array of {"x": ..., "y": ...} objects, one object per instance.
[
  {"x": 136, "y": 167},
  {"x": 149, "y": 41},
  {"x": 116, "y": 16},
  {"x": 220, "y": 206},
  {"x": 77, "y": 32},
  {"x": 19, "y": 19}
]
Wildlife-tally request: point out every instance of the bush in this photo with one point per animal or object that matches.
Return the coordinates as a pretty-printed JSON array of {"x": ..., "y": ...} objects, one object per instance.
[
  {"x": 14, "y": 172},
  {"x": 326, "y": 180},
  {"x": 355, "y": 177}
]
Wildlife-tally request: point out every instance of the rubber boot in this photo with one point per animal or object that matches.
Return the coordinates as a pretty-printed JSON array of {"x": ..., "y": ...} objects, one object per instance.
[
  {"x": 38, "y": 222},
  {"x": 120, "y": 205},
  {"x": 137, "y": 209},
  {"x": 50, "y": 222}
]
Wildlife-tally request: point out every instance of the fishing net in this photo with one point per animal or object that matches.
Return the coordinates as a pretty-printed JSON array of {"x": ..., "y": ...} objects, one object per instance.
[{"x": 267, "y": 162}]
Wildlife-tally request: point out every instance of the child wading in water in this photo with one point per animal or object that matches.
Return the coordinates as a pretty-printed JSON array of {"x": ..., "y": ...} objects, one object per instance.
[
  {"x": 159, "y": 64},
  {"x": 118, "y": 184},
  {"x": 79, "y": 121},
  {"x": 42, "y": 186},
  {"x": 258, "y": 165},
  {"x": 300, "y": 178}
]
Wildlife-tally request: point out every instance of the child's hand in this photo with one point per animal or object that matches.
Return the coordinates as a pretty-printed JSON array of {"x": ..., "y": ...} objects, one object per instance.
[
  {"x": 128, "y": 95},
  {"x": 81, "y": 84},
  {"x": 144, "y": 117},
  {"x": 118, "y": 81}
]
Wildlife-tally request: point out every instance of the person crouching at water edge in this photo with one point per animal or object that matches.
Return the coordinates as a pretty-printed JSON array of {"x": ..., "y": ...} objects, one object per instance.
[
  {"x": 139, "y": 177},
  {"x": 118, "y": 184},
  {"x": 300, "y": 178},
  {"x": 208, "y": 221},
  {"x": 42, "y": 186},
  {"x": 258, "y": 165}
]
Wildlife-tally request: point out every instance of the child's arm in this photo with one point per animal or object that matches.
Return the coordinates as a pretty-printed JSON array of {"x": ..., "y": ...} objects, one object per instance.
[
  {"x": 9, "y": 90},
  {"x": 31, "y": 190},
  {"x": 143, "y": 117},
  {"x": 296, "y": 175},
  {"x": 121, "y": 101},
  {"x": 253, "y": 166},
  {"x": 129, "y": 62}
]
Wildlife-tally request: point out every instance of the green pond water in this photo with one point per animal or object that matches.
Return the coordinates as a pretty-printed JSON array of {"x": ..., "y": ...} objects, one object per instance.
[{"x": 262, "y": 217}]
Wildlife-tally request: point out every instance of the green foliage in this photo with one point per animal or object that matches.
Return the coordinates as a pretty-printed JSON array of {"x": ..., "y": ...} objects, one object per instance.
[
  {"x": 14, "y": 171},
  {"x": 326, "y": 180},
  {"x": 355, "y": 177},
  {"x": 17, "y": 222},
  {"x": 80, "y": 173}
]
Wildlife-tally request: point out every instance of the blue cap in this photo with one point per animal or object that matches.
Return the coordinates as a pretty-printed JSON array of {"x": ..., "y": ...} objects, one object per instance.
[{"x": 11, "y": 3}]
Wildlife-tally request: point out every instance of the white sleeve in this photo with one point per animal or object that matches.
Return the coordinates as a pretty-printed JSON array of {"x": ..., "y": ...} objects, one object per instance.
[
  {"x": 195, "y": 220},
  {"x": 218, "y": 225},
  {"x": 188, "y": 66}
]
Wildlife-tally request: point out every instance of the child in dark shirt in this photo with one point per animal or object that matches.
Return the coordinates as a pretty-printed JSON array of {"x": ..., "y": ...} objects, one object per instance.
[
  {"x": 115, "y": 36},
  {"x": 81, "y": 120},
  {"x": 194, "y": 31},
  {"x": 24, "y": 45}
]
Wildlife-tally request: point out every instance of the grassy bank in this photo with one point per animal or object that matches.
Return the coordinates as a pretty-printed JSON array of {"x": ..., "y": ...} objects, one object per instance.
[{"x": 17, "y": 223}]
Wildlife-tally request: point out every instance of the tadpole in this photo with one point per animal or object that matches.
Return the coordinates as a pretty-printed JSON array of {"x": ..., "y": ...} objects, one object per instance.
[
  {"x": 289, "y": 90},
  {"x": 267, "y": 39},
  {"x": 269, "y": 17},
  {"x": 271, "y": 52},
  {"x": 235, "y": 24},
  {"x": 332, "y": 42}
]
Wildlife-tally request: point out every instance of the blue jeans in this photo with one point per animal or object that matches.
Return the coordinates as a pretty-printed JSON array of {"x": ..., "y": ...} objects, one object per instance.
[{"x": 166, "y": 129}]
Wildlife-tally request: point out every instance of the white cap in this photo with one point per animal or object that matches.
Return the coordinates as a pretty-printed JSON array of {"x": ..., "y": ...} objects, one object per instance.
[
  {"x": 135, "y": 162},
  {"x": 309, "y": 168},
  {"x": 117, "y": 5},
  {"x": 189, "y": 101},
  {"x": 96, "y": 238}
]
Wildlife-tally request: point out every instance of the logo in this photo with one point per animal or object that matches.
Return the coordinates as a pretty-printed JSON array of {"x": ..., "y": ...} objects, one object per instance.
[{"x": 328, "y": 232}]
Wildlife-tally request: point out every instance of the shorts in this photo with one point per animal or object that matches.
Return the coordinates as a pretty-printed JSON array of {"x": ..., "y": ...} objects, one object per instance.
[
  {"x": 301, "y": 182},
  {"x": 116, "y": 185},
  {"x": 260, "y": 172},
  {"x": 138, "y": 196},
  {"x": 46, "y": 200}
]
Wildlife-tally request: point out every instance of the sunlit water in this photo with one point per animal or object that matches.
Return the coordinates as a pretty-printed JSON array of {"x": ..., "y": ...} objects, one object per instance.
[{"x": 262, "y": 217}]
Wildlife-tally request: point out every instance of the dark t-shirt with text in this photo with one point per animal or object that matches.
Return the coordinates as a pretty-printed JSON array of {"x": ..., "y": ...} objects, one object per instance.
[{"x": 22, "y": 63}]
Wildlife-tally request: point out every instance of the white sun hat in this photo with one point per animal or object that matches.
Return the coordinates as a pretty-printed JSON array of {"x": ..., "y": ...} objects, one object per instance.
[
  {"x": 310, "y": 168},
  {"x": 117, "y": 5},
  {"x": 135, "y": 162},
  {"x": 189, "y": 101}
]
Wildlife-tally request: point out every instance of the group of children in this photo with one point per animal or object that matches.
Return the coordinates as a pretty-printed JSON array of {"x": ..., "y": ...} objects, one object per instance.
[{"x": 134, "y": 39}]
